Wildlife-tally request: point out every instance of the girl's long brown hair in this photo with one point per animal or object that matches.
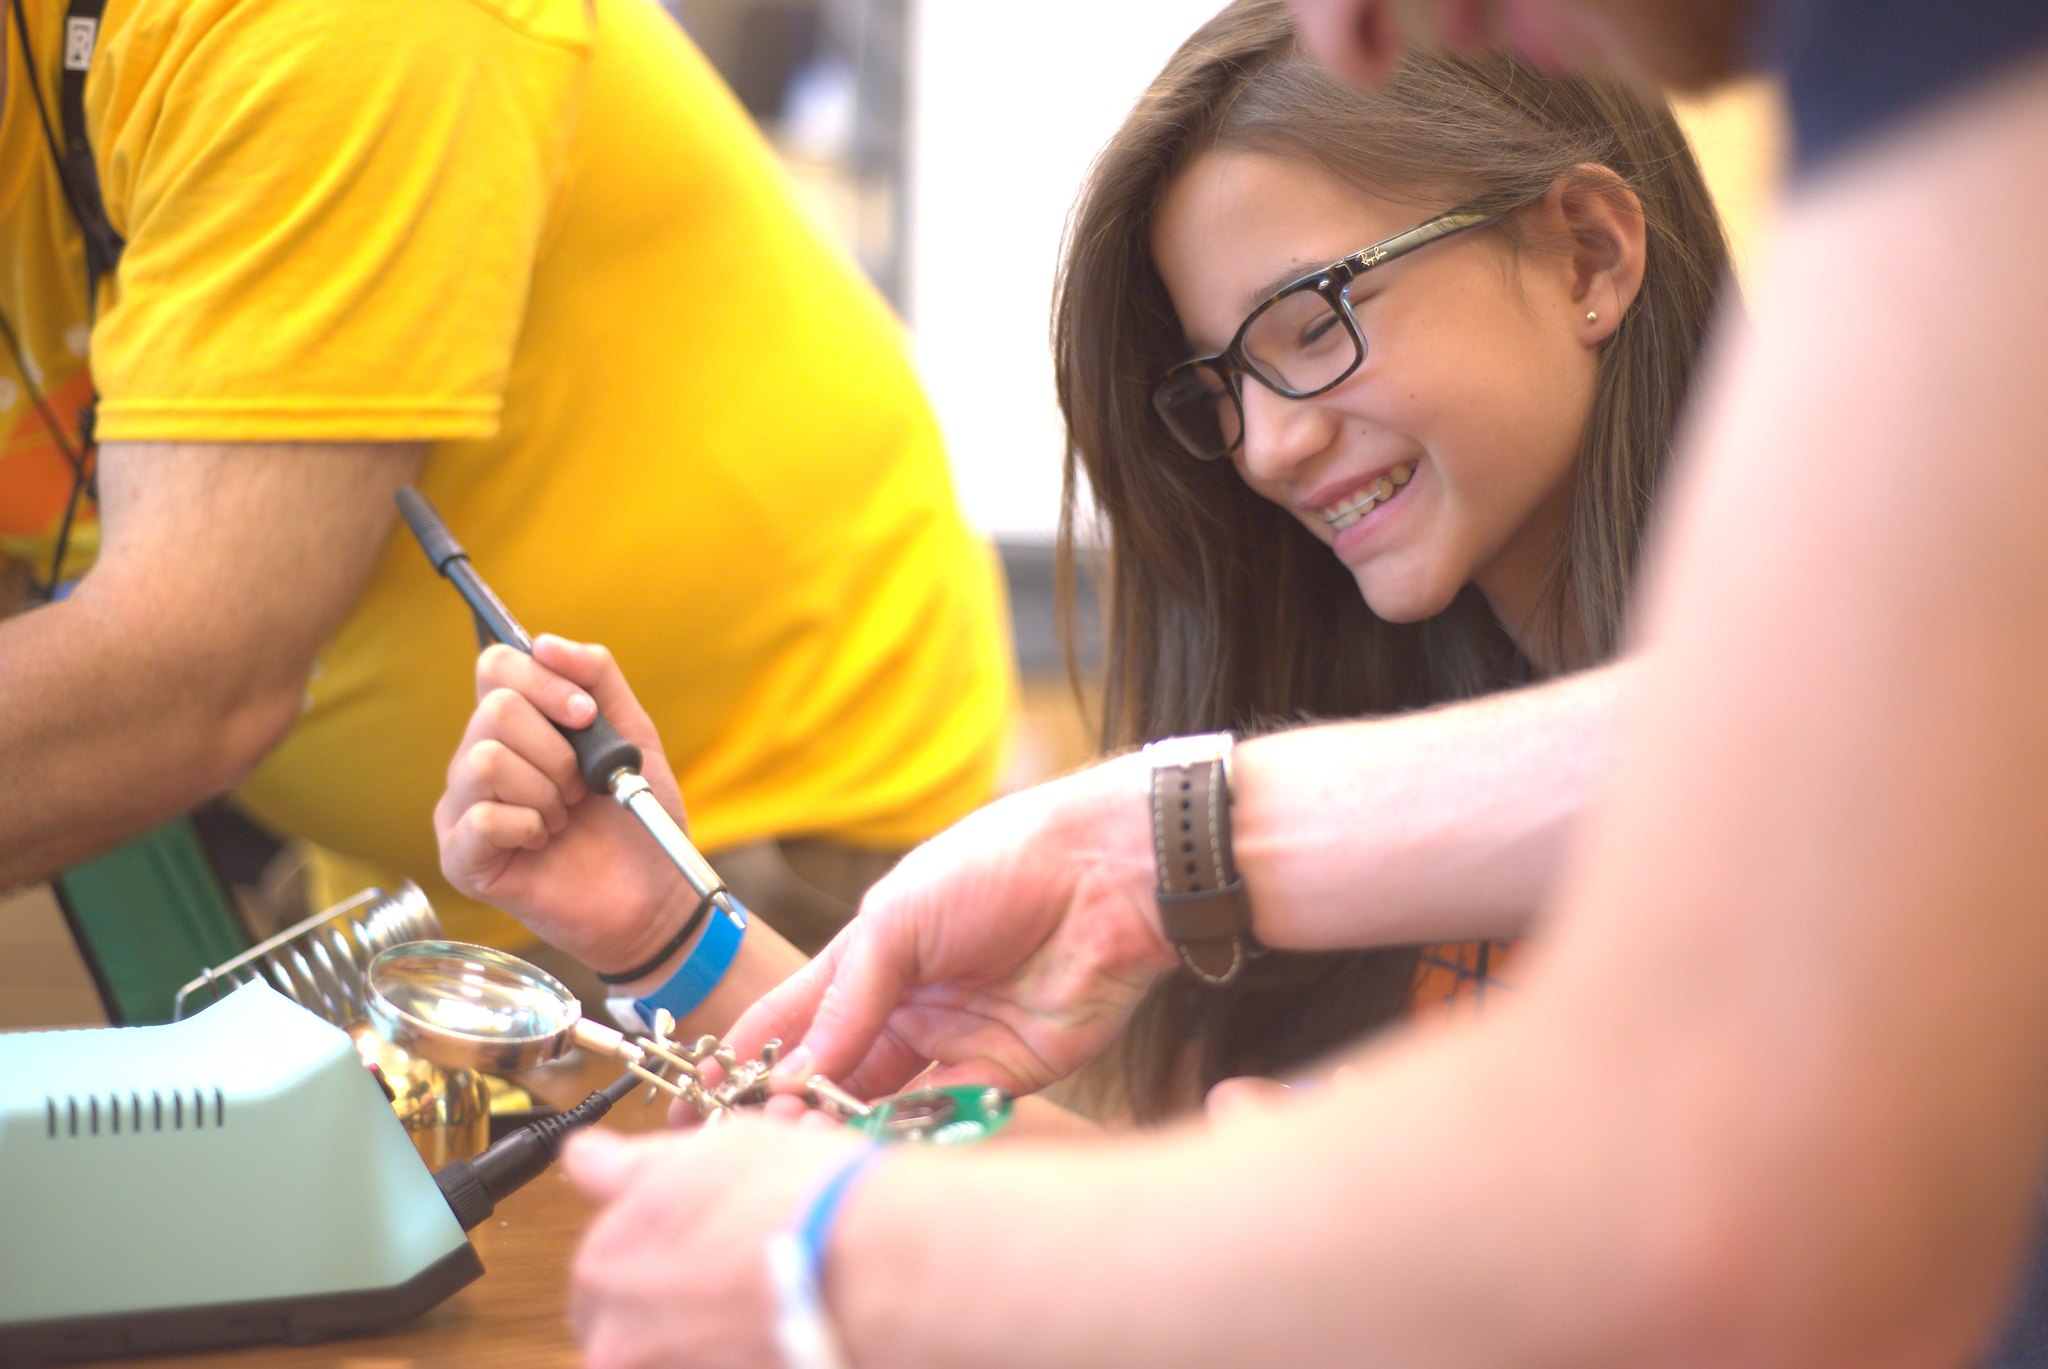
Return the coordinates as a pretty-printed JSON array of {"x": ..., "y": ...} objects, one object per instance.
[{"x": 1219, "y": 610}]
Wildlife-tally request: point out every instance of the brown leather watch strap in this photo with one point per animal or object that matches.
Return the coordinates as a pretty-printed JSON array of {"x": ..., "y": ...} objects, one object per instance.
[{"x": 1203, "y": 908}]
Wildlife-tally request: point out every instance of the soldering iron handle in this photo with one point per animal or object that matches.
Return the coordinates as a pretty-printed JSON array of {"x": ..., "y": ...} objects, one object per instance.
[
  {"x": 434, "y": 538},
  {"x": 600, "y": 751}
]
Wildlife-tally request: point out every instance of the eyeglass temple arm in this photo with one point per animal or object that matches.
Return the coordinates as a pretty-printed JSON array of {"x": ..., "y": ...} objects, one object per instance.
[{"x": 1423, "y": 234}]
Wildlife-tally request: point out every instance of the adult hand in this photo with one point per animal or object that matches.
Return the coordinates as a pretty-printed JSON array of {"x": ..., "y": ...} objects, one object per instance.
[
  {"x": 675, "y": 1269},
  {"x": 1008, "y": 950},
  {"x": 520, "y": 828}
]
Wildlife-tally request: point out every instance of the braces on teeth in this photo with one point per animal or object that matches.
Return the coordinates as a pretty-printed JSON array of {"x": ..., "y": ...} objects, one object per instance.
[{"x": 1380, "y": 491}]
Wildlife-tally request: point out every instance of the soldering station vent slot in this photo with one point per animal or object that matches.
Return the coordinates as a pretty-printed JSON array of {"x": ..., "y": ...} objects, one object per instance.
[{"x": 134, "y": 1113}]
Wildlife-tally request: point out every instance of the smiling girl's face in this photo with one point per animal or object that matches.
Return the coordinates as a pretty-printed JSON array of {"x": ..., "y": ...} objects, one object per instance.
[{"x": 1446, "y": 458}]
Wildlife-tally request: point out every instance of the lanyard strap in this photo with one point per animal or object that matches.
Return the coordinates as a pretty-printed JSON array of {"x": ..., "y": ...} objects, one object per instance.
[{"x": 81, "y": 174}]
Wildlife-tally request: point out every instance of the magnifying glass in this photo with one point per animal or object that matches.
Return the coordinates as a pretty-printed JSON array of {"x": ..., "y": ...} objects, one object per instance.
[
  {"x": 463, "y": 1005},
  {"x": 458, "y": 1005}
]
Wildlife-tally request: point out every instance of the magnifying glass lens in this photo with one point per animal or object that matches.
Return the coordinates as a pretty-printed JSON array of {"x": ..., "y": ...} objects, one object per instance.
[{"x": 438, "y": 996}]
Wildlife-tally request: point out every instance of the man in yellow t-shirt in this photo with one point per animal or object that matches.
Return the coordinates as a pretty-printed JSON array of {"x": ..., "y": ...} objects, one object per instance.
[{"x": 530, "y": 255}]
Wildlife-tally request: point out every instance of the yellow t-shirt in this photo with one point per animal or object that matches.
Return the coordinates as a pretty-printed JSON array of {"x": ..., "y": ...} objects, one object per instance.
[{"x": 665, "y": 412}]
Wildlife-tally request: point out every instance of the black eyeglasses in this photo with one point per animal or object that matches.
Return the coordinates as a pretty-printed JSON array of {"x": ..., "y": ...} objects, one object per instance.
[{"x": 1301, "y": 341}]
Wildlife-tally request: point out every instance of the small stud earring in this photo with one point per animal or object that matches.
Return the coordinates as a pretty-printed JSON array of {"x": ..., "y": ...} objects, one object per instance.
[{"x": 1592, "y": 316}]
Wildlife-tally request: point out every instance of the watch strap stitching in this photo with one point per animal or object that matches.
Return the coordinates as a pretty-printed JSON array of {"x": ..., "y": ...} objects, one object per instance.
[{"x": 1200, "y": 908}]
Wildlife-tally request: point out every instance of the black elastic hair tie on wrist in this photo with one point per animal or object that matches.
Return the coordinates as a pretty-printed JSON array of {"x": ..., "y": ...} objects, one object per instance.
[{"x": 661, "y": 956}]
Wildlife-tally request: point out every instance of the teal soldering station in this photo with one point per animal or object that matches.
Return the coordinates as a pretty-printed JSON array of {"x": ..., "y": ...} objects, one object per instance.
[
  {"x": 241, "y": 1177},
  {"x": 126, "y": 1153}
]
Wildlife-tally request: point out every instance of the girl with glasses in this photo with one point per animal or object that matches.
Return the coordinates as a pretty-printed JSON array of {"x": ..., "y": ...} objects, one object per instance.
[{"x": 1373, "y": 391}]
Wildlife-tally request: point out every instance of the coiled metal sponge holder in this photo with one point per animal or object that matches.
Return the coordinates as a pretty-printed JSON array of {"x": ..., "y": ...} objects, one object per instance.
[{"x": 319, "y": 963}]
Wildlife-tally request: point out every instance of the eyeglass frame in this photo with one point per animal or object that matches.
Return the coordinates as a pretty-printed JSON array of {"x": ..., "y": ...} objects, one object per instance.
[{"x": 1232, "y": 361}]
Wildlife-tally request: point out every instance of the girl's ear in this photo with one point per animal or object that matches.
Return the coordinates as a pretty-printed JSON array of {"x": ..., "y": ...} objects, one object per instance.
[{"x": 1604, "y": 219}]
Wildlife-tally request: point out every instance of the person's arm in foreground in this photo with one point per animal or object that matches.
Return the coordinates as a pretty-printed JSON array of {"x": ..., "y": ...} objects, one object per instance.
[
  {"x": 1773, "y": 1092},
  {"x": 518, "y": 826},
  {"x": 182, "y": 657},
  {"x": 1433, "y": 826}
]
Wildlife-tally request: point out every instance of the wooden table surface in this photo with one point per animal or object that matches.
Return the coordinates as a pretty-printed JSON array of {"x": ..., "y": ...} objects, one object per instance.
[{"x": 516, "y": 1314}]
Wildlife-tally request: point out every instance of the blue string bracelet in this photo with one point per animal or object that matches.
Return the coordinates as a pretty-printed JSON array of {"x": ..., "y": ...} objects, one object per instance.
[{"x": 796, "y": 1266}]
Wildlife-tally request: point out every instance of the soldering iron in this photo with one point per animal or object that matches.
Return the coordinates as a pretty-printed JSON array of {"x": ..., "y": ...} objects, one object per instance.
[{"x": 608, "y": 762}]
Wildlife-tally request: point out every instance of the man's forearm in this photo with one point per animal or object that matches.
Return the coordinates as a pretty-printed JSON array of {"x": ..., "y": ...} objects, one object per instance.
[
  {"x": 182, "y": 657},
  {"x": 81, "y": 708},
  {"x": 101, "y": 743},
  {"x": 1332, "y": 1231},
  {"x": 1433, "y": 826}
]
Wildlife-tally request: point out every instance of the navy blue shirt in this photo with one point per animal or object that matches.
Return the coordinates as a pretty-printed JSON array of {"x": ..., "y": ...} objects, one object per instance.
[{"x": 1854, "y": 67}]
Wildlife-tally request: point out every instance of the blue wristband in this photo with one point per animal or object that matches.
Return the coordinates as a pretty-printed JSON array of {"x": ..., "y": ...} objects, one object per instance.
[
  {"x": 796, "y": 1264},
  {"x": 693, "y": 980}
]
